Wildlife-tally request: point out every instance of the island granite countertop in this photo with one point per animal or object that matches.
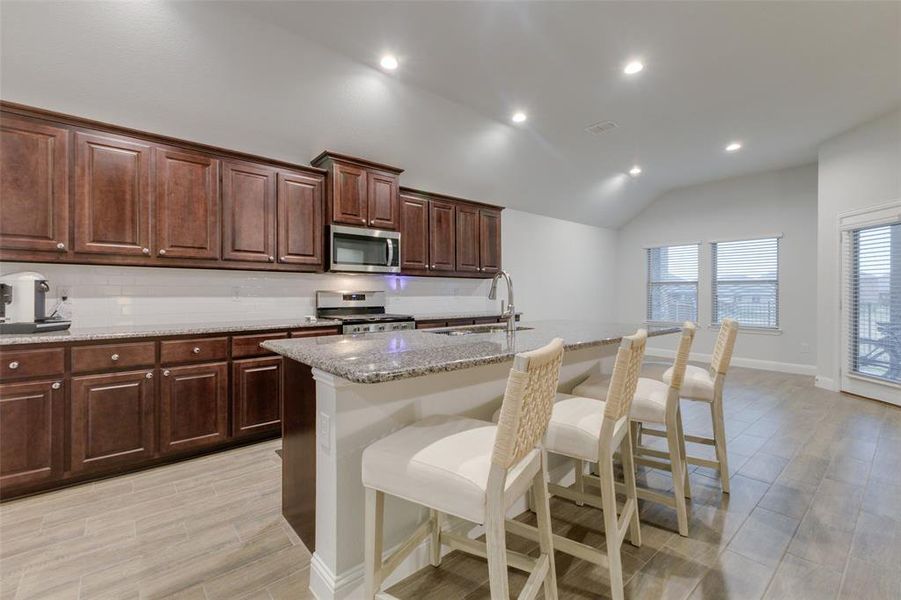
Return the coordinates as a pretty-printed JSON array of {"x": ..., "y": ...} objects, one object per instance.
[{"x": 380, "y": 357}]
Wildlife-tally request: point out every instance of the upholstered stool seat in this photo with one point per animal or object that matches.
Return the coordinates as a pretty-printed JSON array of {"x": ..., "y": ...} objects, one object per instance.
[
  {"x": 442, "y": 462},
  {"x": 697, "y": 384},
  {"x": 649, "y": 403},
  {"x": 575, "y": 427}
]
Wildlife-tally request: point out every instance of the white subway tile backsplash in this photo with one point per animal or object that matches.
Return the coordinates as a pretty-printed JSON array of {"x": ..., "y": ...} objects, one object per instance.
[{"x": 145, "y": 296}]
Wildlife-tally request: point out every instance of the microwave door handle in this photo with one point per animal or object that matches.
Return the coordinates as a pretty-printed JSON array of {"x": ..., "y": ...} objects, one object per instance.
[{"x": 390, "y": 252}]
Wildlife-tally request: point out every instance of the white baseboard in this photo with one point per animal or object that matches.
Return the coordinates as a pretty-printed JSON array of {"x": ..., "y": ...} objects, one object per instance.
[
  {"x": 750, "y": 363},
  {"x": 826, "y": 383},
  {"x": 325, "y": 585}
]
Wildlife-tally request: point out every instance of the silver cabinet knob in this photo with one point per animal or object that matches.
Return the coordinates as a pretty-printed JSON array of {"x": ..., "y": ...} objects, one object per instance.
[
  {"x": 60, "y": 246},
  {"x": 196, "y": 350},
  {"x": 271, "y": 259},
  {"x": 148, "y": 376},
  {"x": 14, "y": 364},
  {"x": 283, "y": 258},
  {"x": 433, "y": 266},
  {"x": 114, "y": 357},
  {"x": 166, "y": 373},
  {"x": 145, "y": 250},
  {"x": 162, "y": 252},
  {"x": 55, "y": 385}
]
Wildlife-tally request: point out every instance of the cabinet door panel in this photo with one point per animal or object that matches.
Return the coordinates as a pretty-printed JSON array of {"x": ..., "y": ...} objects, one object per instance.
[
  {"x": 31, "y": 432},
  {"x": 187, "y": 204},
  {"x": 348, "y": 196},
  {"x": 442, "y": 236},
  {"x": 257, "y": 394},
  {"x": 112, "y": 419},
  {"x": 34, "y": 185},
  {"x": 489, "y": 241},
  {"x": 414, "y": 233},
  {"x": 467, "y": 238},
  {"x": 248, "y": 213},
  {"x": 193, "y": 407},
  {"x": 112, "y": 195},
  {"x": 299, "y": 219},
  {"x": 382, "y": 196}
]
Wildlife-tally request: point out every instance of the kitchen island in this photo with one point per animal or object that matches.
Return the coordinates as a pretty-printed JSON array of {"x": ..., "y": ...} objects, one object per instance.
[{"x": 345, "y": 392}]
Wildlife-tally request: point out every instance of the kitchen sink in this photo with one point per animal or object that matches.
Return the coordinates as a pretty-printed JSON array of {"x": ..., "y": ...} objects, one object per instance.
[{"x": 476, "y": 329}]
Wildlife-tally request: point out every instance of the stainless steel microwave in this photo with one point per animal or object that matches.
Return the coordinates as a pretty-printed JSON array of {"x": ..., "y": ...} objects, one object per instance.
[{"x": 361, "y": 250}]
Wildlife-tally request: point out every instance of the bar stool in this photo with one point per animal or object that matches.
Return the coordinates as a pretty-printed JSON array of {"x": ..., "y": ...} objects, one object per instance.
[
  {"x": 706, "y": 385},
  {"x": 473, "y": 470},
  {"x": 658, "y": 403},
  {"x": 592, "y": 430}
]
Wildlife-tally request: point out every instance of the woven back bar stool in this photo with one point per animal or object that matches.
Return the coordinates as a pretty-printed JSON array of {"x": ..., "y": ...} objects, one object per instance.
[
  {"x": 473, "y": 470},
  {"x": 592, "y": 430},
  {"x": 706, "y": 385}
]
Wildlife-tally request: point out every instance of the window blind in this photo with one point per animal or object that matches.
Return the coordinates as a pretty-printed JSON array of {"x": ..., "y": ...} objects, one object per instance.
[
  {"x": 673, "y": 283},
  {"x": 873, "y": 262},
  {"x": 746, "y": 282}
]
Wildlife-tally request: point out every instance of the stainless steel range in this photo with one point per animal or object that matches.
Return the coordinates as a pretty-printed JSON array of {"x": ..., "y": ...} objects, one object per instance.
[{"x": 360, "y": 312}]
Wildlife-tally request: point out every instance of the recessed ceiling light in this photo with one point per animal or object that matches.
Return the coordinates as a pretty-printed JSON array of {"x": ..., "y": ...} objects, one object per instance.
[
  {"x": 633, "y": 67},
  {"x": 518, "y": 117},
  {"x": 733, "y": 147},
  {"x": 635, "y": 171},
  {"x": 388, "y": 62}
]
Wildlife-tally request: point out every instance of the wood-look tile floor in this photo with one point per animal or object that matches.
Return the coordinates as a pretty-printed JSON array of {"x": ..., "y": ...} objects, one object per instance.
[{"x": 815, "y": 512}]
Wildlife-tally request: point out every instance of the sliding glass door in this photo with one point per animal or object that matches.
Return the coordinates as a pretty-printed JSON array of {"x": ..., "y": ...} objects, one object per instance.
[{"x": 872, "y": 274}]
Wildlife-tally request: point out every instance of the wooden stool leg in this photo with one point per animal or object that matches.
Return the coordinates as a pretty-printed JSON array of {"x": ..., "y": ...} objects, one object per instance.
[
  {"x": 677, "y": 468},
  {"x": 611, "y": 525},
  {"x": 545, "y": 533},
  {"x": 580, "y": 481},
  {"x": 628, "y": 458},
  {"x": 435, "y": 548},
  {"x": 495, "y": 536},
  {"x": 681, "y": 434},
  {"x": 373, "y": 519},
  {"x": 719, "y": 436}
]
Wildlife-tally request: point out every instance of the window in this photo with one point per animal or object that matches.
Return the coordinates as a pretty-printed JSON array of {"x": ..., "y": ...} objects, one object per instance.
[
  {"x": 746, "y": 282},
  {"x": 673, "y": 283},
  {"x": 875, "y": 302}
]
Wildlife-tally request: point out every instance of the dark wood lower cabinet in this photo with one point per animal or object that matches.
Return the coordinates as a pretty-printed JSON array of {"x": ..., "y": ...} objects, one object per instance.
[
  {"x": 257, "y": 392},
  {"x": 31, "y": 432},
  {"x": 112, "y": 419},
  {"x": 193, "y": 407}
]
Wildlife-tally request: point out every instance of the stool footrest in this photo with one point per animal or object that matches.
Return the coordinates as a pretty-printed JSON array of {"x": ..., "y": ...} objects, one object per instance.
[
  {"x": 516, "y": 560},
  {"x": 563, "y": 544}
]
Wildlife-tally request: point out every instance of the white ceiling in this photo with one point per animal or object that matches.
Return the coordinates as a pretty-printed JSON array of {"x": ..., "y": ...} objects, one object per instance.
[{"x": 781, "y": 77}]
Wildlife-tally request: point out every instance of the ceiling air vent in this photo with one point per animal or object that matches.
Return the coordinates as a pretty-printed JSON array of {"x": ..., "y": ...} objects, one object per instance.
[{"x": 600, "y": 127}]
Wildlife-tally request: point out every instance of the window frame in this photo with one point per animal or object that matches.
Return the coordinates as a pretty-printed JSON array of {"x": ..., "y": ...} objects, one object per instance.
[
  {"x": 715, "y": 320},
  {"x": 649, "y": 284}
]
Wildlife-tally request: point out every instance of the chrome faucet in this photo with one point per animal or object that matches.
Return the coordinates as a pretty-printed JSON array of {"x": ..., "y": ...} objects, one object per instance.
[{"x": 510, "y": 311}]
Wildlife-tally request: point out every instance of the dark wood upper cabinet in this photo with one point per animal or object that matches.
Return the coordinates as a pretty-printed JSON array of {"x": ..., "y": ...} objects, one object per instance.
[
  {"x": 360, "y": 192},
  {"x": 383, "y": 200},
  {"x": 193, "y": 406},
  {"x": 414, "y": 233},
  {"x": 300, "y": 219},
  {"x": 467, "y": 221},
  {"x": 257, "y": 390},
  {"x": 248, "y": 212},
  {"x": 489, "y": 240},
  {"x": 348, "y": 197},
  {"x": 187, "y": 204},
  {"x": 34, "y": 185},
  {"x": 112, "y": 419},
  {"x": 442, "y": 236},
  {"x": 31, "y": 432},
  {"x": 112, "y": 195}
]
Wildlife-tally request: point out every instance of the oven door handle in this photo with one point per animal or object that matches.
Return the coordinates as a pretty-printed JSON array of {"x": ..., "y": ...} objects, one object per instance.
[{"x": 390, "y": 252}]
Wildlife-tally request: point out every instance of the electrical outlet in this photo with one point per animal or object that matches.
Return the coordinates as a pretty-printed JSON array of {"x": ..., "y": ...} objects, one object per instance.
[{"x": 325, "y": 431}]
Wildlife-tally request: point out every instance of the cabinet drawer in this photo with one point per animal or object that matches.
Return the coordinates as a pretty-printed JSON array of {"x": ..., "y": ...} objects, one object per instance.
[
  {"x": 315, "y": 332},
  {"x": 113, "y": 356},
  {"x": 249, "y": 345},
  {"x": 17, "y": 364},
  {"x": 176, "y": 351}
]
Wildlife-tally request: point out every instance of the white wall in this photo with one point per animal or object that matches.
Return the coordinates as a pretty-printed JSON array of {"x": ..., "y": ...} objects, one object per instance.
[
  {"x": 775, "y": 202},
  {"x": 560, "y": 269},
  {"x": 857, "y": 169}
]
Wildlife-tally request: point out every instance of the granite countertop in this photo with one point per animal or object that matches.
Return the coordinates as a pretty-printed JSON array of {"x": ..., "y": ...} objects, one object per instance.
[
  {"x": 380, "y": 357},
  {"x": 116, "y": 332}
]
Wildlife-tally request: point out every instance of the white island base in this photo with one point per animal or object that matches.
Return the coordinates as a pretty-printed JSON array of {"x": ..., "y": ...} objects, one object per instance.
[{"x": 350, "y": 416}]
